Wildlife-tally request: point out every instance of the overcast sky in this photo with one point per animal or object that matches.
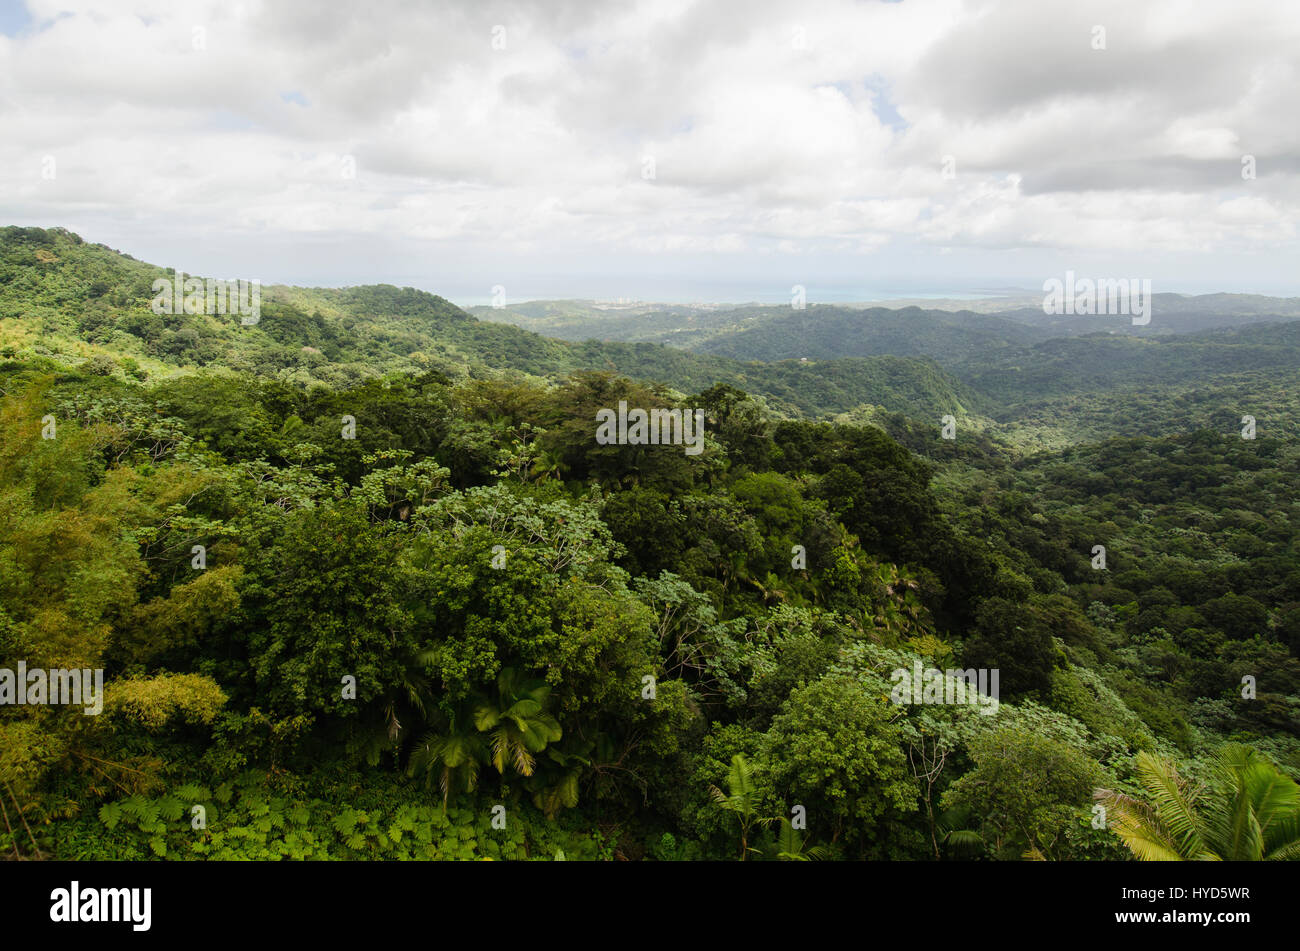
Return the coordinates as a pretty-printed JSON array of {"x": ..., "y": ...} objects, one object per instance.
[{"x": 513, "y": 143}]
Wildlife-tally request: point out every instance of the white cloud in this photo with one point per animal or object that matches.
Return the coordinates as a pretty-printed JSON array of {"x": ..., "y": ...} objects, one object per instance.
[{"x": 778, "y": 130}]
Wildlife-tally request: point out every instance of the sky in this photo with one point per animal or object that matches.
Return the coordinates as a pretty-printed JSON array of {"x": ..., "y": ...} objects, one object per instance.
[{"x": 665, "y": 150}]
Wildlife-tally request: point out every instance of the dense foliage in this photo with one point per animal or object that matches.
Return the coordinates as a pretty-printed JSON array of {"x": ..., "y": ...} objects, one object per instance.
[{"x": 361, "y": 589}]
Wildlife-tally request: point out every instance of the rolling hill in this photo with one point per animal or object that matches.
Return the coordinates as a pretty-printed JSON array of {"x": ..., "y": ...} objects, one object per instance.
[{"x": 67, "y": 300}]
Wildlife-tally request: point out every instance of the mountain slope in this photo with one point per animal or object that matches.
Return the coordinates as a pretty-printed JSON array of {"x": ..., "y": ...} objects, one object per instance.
[
  {"x": 1104, "y": 361},
  {"x": 68, "y": 300},
  {"x": 827, "y": 332}
]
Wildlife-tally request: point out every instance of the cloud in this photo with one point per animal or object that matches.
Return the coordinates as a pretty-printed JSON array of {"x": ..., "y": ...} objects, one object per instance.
[{"x": 283, "y": 134}]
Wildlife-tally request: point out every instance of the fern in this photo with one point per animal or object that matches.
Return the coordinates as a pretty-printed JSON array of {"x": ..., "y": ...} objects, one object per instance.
[{"x": 170, "y": 808}]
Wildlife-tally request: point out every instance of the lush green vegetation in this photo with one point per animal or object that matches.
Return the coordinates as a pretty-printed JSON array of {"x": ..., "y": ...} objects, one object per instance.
[
  {"x": 67, "y": 300},
  {"x": 471, "y": 631}
]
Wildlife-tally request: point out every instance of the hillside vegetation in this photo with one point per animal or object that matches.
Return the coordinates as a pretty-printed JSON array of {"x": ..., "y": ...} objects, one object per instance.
[
  {"x": 359, "y": 576},
  {"x": 63, "y": 298}
]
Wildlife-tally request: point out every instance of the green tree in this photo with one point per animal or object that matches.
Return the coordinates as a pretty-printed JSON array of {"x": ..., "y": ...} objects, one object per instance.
[
  {"x": 517, "y": 723},
  {"x": 328, "y": 603},
  {"x": 449, "y": 757},
  {"x": 835, "y": 749},
  {"x": 1247, "y": 811},
  {"x": 741, "y": 800},
  {"x": 1028, "y": 788},
  {"x": 793, "y": 847},
  {"x": 1014, "y": 639}
]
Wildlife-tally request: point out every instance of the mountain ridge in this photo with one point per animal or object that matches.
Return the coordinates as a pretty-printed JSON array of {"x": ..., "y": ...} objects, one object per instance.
[{"x": 60, "y": 293}]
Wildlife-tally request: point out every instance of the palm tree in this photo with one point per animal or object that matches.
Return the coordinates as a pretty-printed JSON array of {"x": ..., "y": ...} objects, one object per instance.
[
  {"x": 740, "y": 798},
  {"x": 793, "y": 847},
  {"x": 549, "y": 465},
  {"x": 518, "y": 723},
  {"x": 554, "y": 784},
  {"x": 449, "y": 757},
  {"x": 954, "y": 831},
  {"x": 408, "y": 696},
  {"x": 1248, "y": 811}
]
